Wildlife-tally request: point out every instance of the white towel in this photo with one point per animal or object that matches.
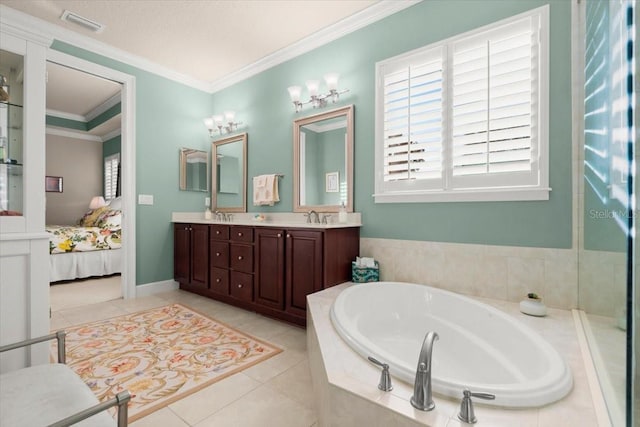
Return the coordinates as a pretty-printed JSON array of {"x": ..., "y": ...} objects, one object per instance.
[{"x": 265, "y": 190}]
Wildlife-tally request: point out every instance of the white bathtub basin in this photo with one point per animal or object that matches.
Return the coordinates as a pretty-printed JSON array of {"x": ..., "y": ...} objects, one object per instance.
[{"x": 480, "y": 347}]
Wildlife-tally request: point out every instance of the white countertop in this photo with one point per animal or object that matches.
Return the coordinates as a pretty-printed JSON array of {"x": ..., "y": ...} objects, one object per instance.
[{"x": 284, "y": 219}]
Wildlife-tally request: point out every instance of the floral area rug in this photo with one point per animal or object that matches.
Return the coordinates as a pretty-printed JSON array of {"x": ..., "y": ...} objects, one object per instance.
[{"x": 159, "y": 355}]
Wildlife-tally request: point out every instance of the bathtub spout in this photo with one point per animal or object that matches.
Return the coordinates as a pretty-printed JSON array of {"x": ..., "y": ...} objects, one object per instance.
[{"x": 422, "y": 398}]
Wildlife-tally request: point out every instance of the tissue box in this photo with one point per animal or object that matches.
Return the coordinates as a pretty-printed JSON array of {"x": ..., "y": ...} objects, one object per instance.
[{"x": 364, "y": 274}]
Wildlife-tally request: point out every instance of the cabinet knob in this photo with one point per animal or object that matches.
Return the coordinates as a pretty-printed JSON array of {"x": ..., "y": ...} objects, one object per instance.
[
  {"x": 217, "y": 253},
  {"x": 288, "y": 236},
  {"x": 217, "y": 231},
  {"x": 239, "y": 285},
  {"x": 239, "y": 234},
  {"x": 240, "y": 257},
  {"x": 279, "y": 235},
  {"x": 218, "y": 280}
]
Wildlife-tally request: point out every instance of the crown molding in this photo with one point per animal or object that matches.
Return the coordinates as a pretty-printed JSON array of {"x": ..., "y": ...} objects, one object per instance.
[
  {"x": 333, "y": 32},
  {"x": 71, "y": 134},
  {"x": 111, "y": 102},
  {"x": 112, "y": 134},
  {"x": 18, "y": 25},
  {"x": 65, "y": 115},
  {"x": 27, "y": 25}
]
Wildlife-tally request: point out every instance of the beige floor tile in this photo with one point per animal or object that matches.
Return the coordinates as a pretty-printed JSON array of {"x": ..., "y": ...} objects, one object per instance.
[
  {"x": 274, "y": 366},
  {"x": 260, "y": 408},
  {"x": 294, "y": 338},
  {"x": 83, "y": 292},
  {"x": 90, "y": 313},
  {"x": 200, "y": 405},
  {"x": 134, "y": 305},
  {"x": 264, "y": 327},
  {"x": 161, "y": 418},
  {"x": 295, "y": 383}
]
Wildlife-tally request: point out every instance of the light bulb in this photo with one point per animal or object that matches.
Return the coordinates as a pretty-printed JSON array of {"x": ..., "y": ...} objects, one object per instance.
[
  {"x": 229, "y": 116},
  {"x": 218, "y": 120},
  {"x": 331, "y": 79},
  {"x": 294, "y": 93},
  {"x": 208, "y": 122},
  {"x": 312, "y": 87}
]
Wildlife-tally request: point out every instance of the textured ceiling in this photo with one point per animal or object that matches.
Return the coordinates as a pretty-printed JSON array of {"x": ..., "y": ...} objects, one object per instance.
[{"x": 204, "y": 39}]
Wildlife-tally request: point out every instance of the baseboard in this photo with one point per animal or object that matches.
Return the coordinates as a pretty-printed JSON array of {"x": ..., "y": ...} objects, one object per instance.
[{"x": 155, "y": 288}]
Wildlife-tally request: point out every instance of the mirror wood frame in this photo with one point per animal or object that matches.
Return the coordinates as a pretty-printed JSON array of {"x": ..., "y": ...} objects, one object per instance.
[
  {"x": 243, "y": 138},
  {"x": 184, "y": 154},
  {"x": 297, "y": 125}
]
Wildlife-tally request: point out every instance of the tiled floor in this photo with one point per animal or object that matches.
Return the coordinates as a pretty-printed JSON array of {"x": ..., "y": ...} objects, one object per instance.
[{"x": 276, "y": 392}]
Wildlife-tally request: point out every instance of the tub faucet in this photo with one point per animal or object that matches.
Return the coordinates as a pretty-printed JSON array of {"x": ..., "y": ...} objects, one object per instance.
[{"x": 422, "y": 396}]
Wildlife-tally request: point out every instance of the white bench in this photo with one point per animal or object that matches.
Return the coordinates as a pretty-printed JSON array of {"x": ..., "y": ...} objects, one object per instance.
[{"x": 54, "y": 395}]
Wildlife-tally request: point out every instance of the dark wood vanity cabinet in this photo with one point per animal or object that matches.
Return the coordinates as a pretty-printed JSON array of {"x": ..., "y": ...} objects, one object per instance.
[
  {"x": 191, "y": 255},
  {"x": 270, "y": 267},
  {"x": 272, "y": 270}
]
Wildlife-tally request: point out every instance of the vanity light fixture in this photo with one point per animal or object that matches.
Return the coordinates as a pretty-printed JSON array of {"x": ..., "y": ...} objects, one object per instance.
[
  {"x": 222, "y": 123},
  {"x": 313, "y": 87}
]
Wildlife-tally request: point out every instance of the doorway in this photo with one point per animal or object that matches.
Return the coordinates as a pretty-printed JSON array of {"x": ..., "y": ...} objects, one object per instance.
[{"x": 125, "y": 179}]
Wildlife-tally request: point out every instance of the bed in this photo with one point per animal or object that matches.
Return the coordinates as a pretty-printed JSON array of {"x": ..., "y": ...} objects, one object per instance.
[{"x": 91, "y": 248}]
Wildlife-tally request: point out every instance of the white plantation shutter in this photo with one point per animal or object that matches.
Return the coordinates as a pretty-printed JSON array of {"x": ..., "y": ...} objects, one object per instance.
[
  {"x": 467, "y": 115},
  {"x": 111, "y": 176},
  {"x": 494, "y": 106},
  {"x": 413, "y": 122}
]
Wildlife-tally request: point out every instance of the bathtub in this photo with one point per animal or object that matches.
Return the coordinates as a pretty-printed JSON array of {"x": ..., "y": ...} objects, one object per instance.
[{"x": 480, "y": 347}]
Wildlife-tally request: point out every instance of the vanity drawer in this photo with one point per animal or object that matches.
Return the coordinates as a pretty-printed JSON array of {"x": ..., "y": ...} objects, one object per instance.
[
  {"x": 219, "y": 281},
  {"x": 219, "y": 254},
  {"x": 241, "y": 258},
  {"x": 241, "y": 286},
  {"x": 219, "y": 232},
  {"x": 241, "y": 234}
]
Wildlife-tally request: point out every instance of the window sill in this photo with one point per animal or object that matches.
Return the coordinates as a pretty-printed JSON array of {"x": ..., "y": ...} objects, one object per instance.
[{"x": 466, "y": 195}]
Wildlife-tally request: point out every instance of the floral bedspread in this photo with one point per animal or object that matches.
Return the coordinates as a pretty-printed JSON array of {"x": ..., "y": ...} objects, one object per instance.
[{"x": 65, "y": 238}]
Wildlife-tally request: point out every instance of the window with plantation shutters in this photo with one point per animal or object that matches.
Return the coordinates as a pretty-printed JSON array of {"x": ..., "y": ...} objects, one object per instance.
[
  {"x": 465, "y": 119},
  {"x": 111, "y": 165}
]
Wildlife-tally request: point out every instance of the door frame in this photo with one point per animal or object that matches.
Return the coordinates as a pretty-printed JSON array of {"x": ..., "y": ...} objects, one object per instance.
[{"x": 127, "y": 158}]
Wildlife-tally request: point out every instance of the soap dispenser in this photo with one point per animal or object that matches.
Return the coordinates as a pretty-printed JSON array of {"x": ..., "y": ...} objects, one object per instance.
[{"x": 342, "y": 214}]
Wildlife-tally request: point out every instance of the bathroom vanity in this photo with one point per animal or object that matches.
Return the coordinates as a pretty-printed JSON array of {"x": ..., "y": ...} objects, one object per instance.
[{"x": 269, "y": 268}]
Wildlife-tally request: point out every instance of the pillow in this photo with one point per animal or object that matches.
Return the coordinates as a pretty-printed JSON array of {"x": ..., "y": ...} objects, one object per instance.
[
  {"x": 110, "y": 219},
  {"x": 116, "y": 203},
  {"x": 89, "y": 219}
]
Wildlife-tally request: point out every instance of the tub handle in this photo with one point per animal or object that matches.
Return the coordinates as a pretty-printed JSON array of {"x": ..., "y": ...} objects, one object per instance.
[
  {"x": 385, "y": 377},
  {"x": 467, "y": 413}
]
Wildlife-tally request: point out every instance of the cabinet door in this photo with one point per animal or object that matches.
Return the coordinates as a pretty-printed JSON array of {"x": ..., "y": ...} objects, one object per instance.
[
  {"x": 200, "y": 255},
  {"x": 304, "y": 268},
  {"x": 181, "y": 253},
  {"x": 270, "y": 267}
]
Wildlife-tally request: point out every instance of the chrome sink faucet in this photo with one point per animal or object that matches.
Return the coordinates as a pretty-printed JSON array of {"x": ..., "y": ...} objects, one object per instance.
[
  {"x": 313, "y": 216},
  {"x": 422, "y": 398}
]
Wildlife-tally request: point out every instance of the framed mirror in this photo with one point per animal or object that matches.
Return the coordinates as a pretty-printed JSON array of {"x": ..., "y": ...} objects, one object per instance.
[
  {"x": 229, "y": 174},
  {"x": 194, "y": 170},
  {"x": 323, "y": 161}
]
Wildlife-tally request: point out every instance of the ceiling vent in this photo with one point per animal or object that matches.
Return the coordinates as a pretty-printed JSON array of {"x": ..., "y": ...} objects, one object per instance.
[{"x": 82, "y": 21}]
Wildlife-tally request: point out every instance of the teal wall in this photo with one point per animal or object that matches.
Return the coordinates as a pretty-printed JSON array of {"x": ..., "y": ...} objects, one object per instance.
[
  {"x": 169, "y": 116},
  {"x": 263, "y": 102}
]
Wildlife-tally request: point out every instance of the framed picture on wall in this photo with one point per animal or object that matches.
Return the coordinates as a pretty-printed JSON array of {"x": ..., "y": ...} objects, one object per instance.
[
  {"x": 331, "y": 182},
  {"x": 53, "y": 184}
]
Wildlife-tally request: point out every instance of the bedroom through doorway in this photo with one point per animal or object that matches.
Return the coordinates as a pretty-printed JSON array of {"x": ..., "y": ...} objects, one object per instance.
[{"x": 84, "y": 207}]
